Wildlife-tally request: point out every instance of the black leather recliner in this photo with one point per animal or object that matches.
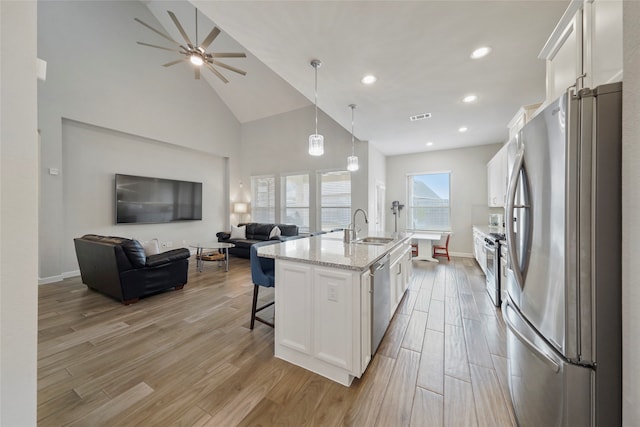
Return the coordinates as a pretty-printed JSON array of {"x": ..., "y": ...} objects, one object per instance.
[{"x": 118, "y": 267}]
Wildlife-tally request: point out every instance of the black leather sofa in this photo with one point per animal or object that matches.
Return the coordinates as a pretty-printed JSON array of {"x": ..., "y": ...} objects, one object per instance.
[
  {"x": 256, "y": 232},
  {"x": 118, "y": 267}
]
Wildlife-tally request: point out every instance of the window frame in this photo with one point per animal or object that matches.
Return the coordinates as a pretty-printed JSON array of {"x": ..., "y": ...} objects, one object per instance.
[
  {"x": 283, "y": 199},
  {"x": 320, "y": 206},
  {"x": 410, "y": 207}
]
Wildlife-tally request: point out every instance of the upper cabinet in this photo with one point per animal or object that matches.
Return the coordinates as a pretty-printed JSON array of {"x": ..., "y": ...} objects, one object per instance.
[
  {"x": 497, "y": 179},
  {"x": 585, "y": 48}
]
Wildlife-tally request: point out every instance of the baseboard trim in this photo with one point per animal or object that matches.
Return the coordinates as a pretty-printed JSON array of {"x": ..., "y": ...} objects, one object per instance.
[
  {"x": 461, "y": 254},
  {"x": 58, "y": 278}
]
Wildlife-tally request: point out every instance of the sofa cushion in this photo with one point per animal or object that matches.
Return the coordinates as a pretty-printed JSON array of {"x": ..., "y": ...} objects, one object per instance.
[
  {"x": 135, "y": 252},
  {"x": 260, "y": 232},
  {"x": 288, "y": 229},
  {"x": 151, "y": 247},
  {"x": 238, "y": 232},
  {"x": 275, "y": 232}
]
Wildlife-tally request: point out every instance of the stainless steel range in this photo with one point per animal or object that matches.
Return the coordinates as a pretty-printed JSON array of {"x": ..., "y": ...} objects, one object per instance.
[{"x": 492, "y": 250}]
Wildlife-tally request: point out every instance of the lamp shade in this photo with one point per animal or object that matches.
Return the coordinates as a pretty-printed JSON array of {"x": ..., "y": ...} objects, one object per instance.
[{"x": 240, "y": 207}]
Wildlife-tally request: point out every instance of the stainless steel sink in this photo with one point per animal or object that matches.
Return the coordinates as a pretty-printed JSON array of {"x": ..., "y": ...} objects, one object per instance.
[{"x": 374, "y": 240}]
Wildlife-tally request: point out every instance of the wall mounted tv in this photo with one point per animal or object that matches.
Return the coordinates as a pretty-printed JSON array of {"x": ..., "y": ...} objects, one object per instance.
[{"x": 144, "y": 200}]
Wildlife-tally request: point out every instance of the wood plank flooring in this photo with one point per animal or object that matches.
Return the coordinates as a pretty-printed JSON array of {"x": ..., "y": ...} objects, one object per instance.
[{"x": 188, "y": 358}]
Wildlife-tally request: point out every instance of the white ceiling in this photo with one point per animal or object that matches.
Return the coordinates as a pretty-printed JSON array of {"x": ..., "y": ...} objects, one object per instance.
[{"x": 419, "y": 51}]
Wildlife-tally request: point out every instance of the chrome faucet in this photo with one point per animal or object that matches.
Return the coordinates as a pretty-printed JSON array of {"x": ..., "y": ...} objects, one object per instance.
[{"x": 354, "y": 230}]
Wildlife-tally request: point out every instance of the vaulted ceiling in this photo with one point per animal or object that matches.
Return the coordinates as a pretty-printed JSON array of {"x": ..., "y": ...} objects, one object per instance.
[{"x": 418, "y": 50}]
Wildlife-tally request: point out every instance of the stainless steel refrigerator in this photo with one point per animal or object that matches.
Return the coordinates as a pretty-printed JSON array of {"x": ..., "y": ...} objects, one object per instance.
[{"x": 563, "y": 222}]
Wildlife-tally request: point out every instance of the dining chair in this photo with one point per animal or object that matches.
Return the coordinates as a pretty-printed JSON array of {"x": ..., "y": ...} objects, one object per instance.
[{"x": 442, "y": 251}]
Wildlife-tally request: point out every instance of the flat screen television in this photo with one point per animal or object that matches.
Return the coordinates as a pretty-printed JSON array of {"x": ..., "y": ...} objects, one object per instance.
[{"x": 144, "y": 200}]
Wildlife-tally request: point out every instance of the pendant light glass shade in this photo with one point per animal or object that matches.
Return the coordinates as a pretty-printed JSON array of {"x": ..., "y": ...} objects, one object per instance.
[
  {"x": 316, "y": 145},
  {"x": 352, "y": 160},
  {"x": 352, "y": 163},
  {"x": 316, "y": 142}
]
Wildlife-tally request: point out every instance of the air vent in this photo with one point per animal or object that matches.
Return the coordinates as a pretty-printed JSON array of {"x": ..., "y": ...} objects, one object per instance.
[{"x": 420, "y": 117}]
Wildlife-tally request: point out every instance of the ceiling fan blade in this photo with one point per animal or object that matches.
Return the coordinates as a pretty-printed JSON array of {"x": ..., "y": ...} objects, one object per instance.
[
  {"x": 227, "y": 55},
  {"x": 197, "y": 73},
  {"x": 184, "y": 34},
  {"x": 169, "y": 64},
  {"x": 228, "y": 67},
  {"x": 217, "y": 73},
  {"x": 158, "y": 47},
  {"x": 157, "y": 32},
  {"x": 210, "y": 38}
]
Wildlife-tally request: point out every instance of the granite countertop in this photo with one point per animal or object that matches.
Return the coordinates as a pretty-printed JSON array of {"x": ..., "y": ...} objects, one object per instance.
[{"x": 330, "y": 250}]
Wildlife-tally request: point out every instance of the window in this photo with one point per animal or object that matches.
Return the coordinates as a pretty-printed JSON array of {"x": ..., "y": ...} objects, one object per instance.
[
  {"x": 263, "y": 199},
  {"x": 296, "y": 201},
  {"x": 335, "y": 200},
  {"x": 428, "y": 196}
]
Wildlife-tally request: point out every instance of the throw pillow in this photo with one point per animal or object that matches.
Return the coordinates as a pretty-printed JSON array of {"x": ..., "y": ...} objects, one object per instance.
[
  {"x": 151, "y": 247},
  {"x": 275, "y": 232},
  {"x": 238, "y": 232}
]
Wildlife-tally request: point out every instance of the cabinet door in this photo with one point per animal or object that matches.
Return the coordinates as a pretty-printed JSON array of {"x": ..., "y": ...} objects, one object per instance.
[
  {"x": 335, "y": 317},
  {"x": 563, "y": 53},
  {"x": 293, "y": 311},
  {"x": 603, "y": 42}
]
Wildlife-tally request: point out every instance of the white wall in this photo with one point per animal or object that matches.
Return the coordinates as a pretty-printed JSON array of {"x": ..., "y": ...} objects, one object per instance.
[
  {"x": 18, "y": 213},
  {"x": 91, "y": 185},
  {"x": 630, "y": 223},
  {"x": 377, "y": 177},
  {"x": 468, "y": 167},
  {"x": 280, "y": 144},
  {"x": 99, "y": 76}
]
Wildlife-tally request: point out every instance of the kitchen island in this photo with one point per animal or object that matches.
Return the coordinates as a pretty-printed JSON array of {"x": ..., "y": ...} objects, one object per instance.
[{"x": 325, "y": 298}]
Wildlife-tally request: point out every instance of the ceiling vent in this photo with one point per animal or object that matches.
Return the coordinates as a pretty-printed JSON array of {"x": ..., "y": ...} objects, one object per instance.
[{"x": 420, "y": 117}]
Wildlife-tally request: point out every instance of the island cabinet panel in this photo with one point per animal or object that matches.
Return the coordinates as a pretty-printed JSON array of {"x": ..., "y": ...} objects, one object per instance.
[
  {"x": 365, "y": 320},
  {"x": 294, "y": 289},
  {"x": 333, "y": 316}
]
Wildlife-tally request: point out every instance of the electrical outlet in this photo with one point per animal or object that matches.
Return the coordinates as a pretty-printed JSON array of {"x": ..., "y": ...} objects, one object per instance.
[
  {"x": 332, "y": 293},
  {"x": 169, "y": 244}
]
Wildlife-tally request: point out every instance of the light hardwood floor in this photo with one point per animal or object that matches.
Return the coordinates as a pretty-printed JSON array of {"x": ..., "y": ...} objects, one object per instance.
[{"x": 188, "y": 358}]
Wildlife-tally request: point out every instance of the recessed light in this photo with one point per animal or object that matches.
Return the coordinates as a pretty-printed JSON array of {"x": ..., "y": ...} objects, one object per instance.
[
  {"x": 480, "y": 52},
  {"x": 463, "y": 129},
  {"x": 369, "y": 79},
  {"x": 429, "y": 144},
  {"x": 470, "y": 98}
]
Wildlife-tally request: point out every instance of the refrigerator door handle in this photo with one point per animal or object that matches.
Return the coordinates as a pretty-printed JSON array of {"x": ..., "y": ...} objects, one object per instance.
[
  {"x": 510, "y": 211},
  {"x": 506, "y": 309}
]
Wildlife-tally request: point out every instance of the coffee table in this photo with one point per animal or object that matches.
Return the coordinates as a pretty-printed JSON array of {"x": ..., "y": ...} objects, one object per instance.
[{"x": 201, "y": 257}]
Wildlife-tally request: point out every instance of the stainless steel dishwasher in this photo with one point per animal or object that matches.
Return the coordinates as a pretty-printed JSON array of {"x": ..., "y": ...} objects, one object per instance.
[{"x": 380, "y": 301}]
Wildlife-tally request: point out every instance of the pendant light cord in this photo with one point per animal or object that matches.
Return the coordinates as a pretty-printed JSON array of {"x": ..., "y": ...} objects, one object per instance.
[
  {"x": 353, "y": 141},
  {"x": 316, "y": 90}
]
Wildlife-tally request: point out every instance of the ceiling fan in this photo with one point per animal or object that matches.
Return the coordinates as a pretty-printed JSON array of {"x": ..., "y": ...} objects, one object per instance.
[{"x": 194, "y": 53}]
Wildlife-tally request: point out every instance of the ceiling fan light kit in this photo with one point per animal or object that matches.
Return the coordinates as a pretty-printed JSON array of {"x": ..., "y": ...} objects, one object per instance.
[
  {"x": 316, "y": 141},
  {"x": 196, "y": 53}
]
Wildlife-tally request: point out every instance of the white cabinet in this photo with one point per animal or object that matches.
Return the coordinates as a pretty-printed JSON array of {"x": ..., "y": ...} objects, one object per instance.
[
  {"x": 585, "y": 48},
  {"x": 323, "y": 319},
  {"x": 400, "y": 270},
  {"x": 497, "y": 179},
  {"x": 478, "y": 249}
]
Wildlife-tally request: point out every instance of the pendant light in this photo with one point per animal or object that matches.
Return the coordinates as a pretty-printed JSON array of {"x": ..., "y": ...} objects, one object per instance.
[
  {"x": 352, "y": 160},
  {"x": 316, "y": 142}
]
